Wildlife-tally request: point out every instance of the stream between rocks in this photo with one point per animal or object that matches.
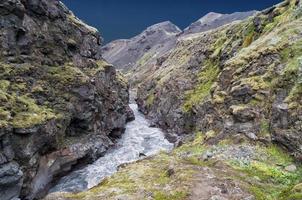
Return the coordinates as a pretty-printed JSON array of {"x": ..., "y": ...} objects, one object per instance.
[{"x": 138, "y": 141}]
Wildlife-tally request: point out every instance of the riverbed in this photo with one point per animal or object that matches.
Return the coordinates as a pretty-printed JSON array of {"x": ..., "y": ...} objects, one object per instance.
[{"x": 138, "y": 142}]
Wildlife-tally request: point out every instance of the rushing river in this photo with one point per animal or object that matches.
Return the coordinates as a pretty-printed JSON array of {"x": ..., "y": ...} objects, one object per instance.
[{"x": 138, "y": 141}]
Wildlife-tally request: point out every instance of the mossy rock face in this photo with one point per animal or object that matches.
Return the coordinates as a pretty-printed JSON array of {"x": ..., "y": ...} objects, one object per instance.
[
  {"x": 255, "y": 63},
  {"x": 55, "y": 92}
]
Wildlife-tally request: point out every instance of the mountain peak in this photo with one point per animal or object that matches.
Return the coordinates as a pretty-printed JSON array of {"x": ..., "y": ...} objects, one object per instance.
[
  {"x": 211, "y": 16},
  {"x": 164, "y": 26},
  {"x": 214, "y": 20}
]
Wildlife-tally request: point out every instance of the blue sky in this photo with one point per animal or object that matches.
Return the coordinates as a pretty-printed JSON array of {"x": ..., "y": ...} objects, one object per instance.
[{"x": 117, "y": 19}]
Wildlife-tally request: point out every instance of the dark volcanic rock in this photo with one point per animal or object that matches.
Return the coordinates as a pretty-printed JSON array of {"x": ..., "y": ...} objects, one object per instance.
[
  {"x": 60, "y": 102},
  {"x": 10, "y": 180}
]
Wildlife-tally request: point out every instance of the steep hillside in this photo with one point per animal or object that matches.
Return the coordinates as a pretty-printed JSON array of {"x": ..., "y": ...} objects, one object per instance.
[
  {"x": 60, "y": 102},
  {"x": 243, "y": 78},
  {"x": 139, "y": 56}
]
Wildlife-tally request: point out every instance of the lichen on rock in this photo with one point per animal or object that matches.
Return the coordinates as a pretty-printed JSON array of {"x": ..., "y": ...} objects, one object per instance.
[{"x": 60, "y": 100}]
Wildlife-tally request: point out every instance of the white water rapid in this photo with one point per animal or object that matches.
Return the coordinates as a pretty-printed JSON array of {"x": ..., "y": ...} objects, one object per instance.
[{"x": 139, "y": 139}]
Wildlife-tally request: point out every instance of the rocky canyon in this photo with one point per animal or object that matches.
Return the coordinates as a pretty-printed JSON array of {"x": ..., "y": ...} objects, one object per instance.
[{"x": 210, "y": 112}]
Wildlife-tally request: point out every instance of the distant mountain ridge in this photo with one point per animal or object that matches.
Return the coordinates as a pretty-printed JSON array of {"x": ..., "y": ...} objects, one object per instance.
[
  {"x": 125, "y": 53},
  {"x": 213, "y": 20},
  {"x": 130, "y": 55}
]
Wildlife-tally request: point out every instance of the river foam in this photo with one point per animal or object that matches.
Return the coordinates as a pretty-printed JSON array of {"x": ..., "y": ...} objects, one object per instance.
[{"x": 138, "y": 141}]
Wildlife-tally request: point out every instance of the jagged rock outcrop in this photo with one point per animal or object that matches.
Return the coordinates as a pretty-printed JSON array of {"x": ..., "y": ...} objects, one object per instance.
[
  {"x": 156, "y": 39},
  {"x": 140, "y": 56},
  {"x": 61, "y": 104},
  {"x": 243, "y": 78}
]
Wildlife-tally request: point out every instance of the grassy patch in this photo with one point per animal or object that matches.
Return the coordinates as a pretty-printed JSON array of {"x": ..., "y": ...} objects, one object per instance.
[
  {"x": 174, "y": 196},
  {"x": 264, "y": 128},
  {"x": 150, "y": 99},
  {"x": 249, "y": 35},
  {"x": 151, "y": 177},
  {"x": 142, "y": 179},
  {"x": 145, "y": 58},
  {"x": 206, "y": 79},
  {"x": 266, "y": 177}
]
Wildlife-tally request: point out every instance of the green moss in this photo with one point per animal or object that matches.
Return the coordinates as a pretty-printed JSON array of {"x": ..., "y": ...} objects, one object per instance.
[
  {"x": 94, "y": 69},
  {"x": 4, "y": 85},
  {"x": 271, "y": 173},
  {"x": 292, "y": 51},
  {"x": 3, "y": 96},
  {"x": 20, "y": 87},
  {"x": 5, "y": 69},
  {"x": 219, "y": 45},
  {"x": 295, "y": 95},
  {"x": 256, "y": 82},
  {"x": 121, "y": 78},
  {"x": 291, "y": 75},
  {"x": 145, "y": 58},
  {"x": 264, "y": 128},
  {"x": 22, "y": 111},
  {"x": 194, "y": 150},
  {"x": 293, "y": 193},
  {"x": 207, "y": 78},
  {"x": 27, "y": 113},
  {"x": 194, "y": 147},
  {"x": 4, "y": 117},
  {"x": 273, "y": 24},
  {"x": 66, "y": 75},
  {"x": 281, "y": 15},
  {"x": 249, "y": 35},
  {"x": 277, "y": 155},
  {"x": 266, "y": 176},
  {"x": 150, "y": 99},
  {"x": 294, "y": 196},
  {"x": 173, "y": 196}
]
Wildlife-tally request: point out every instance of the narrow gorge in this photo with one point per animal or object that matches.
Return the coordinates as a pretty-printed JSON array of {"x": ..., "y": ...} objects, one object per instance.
[{"x": 210, "y": 112}]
